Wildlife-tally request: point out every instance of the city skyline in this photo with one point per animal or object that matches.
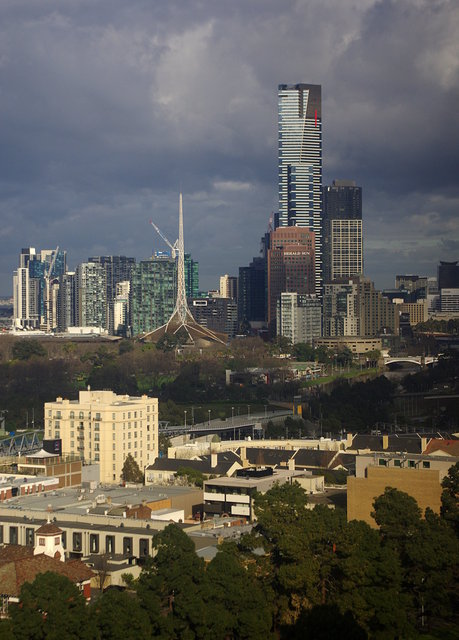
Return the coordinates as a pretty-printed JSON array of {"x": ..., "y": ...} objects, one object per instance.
[{"x": 108, "y": 110}]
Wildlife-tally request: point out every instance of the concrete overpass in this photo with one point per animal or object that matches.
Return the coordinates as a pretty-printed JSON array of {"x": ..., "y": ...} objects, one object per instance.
[{"x": 233, "y": 427}]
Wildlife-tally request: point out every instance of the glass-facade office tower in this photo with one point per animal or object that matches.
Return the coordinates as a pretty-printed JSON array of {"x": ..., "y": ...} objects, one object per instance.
[
  {"x": 300, "y": 163},
  {"x": 342, "y": 230},
  {"x": 153, "y": 293}
]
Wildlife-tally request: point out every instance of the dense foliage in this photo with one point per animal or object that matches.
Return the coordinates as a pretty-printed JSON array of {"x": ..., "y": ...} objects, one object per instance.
[{"x": 301, "y": 573}]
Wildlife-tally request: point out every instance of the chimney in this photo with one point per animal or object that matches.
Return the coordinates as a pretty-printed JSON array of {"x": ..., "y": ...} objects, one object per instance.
[
  {"x": 291, "y": 464},
  {"x": 243, "y": 454},
  {"x": 349, "y": 438},
  {"x": 423, "y": 444},
  {"x": 213, "y": 460},
  {"x": 385, "y": 442}
]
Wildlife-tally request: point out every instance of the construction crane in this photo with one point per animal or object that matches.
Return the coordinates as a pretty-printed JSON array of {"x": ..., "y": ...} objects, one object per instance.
[{"x": 173, "y": 247}]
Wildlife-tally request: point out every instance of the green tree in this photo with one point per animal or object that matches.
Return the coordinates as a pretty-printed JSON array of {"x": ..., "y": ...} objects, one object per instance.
[
  {"x": 236, "y": 599},
  {"x": 174, "y": 584},
  {"x": 125, "y": 346},
  {"x": 450, "y": 497},
  {"x": 192, "y": 476},
  {"x": 50, "y": 607},
  {"x": 118, "y": 615},
  {"x": 398, "y": 516},
  {"x": 131, "y": 471},
  {"x": 25, "y": 349},
  {"x": 303, "y": 352}
]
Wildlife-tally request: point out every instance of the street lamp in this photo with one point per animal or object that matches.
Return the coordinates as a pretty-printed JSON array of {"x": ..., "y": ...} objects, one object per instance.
[
  {"x": 232, "y": 422},
  {"x": 248, "y": 411},
  {"x": 208, "y": 411},
  {"x": 185, "y": 412}
]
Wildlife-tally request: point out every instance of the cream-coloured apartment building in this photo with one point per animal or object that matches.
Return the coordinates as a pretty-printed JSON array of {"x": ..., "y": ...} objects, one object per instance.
[{"x": 102, "y": 427}]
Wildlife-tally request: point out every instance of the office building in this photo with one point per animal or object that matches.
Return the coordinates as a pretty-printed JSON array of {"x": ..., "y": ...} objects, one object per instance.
[
  {"x": 216, "y": 314},
  {"x": 152, "y": 294},
  {"x": 376, "y": 313},
  {"x": 448, "y": 275},
  {"x": 102, "y": 427},
  {"x": 343, "y": 235},
  {"x": 252, "y": 293},
  {"x": 300, "y": 163},
  {"x": 416, "y": 286},
  {"x": 191, "y": 276},
  {"x": 299, "y": 317},
  {"x": 290, "y": 266},
  {"x": 90, "y": 295}
]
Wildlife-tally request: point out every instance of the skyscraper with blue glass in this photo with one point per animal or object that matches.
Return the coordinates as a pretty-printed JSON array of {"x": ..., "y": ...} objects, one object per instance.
[{"x": 300, "y": 162}]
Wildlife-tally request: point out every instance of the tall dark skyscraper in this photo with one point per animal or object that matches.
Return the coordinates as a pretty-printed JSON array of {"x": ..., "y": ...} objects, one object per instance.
[
  {"x": 300, "y": 163},
  {"x": 343, "y": 234}
]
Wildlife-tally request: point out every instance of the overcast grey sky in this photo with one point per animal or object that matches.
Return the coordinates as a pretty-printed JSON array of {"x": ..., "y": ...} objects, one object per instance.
[{"x": 109, "y": 107}]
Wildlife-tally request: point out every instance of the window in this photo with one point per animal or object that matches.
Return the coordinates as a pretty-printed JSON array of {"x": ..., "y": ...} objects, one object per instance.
[
  {"x": 109, "y": 544},
  {"x": 96, "y": 426},
  {"x": 1, "y": 534},
  {"x": 382, "y": 462},
  {"x": 94, "y": 543},
  {"x": 97, "y": 416},
  {"x": 81, "y": 415},
  {"x": 397, "y": 463},
  {"x": 29, "y": 536},
  {"x": 96, "y": 457},
  {"x": 57, "y": 540},
  {"x": 426, "y": 464},
  {"x": 127, "y": 546},
  {"x": 41, "y": 542},
  {"x": 14, "y": 535},
  {"x": 77, "y": 541},
  {"x": 72, "y": 415},
  {"x": 64, "y": 539},
  {"x": 411, "y": 464},
  {"x": 143, "y": 547}
]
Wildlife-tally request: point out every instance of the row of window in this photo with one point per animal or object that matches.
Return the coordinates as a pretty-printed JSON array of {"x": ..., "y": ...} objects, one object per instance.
[
  {"x": 411, "y": 464},
  {"x": 97, "y": 416},
  {"x": 95, "y": 540}
]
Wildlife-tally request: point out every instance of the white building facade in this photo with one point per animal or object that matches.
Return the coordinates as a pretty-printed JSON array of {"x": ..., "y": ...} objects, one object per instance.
[{"x": 102, "y": 427}]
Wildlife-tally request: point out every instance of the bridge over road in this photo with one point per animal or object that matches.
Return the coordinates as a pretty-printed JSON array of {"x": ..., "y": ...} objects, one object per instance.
[
  {"x": 246, "y": 424},
  {"x": 421, "y": 361}
]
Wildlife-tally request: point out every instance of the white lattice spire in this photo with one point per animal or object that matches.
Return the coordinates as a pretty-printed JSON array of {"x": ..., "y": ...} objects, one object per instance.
[{"x": 182, "y": 318}]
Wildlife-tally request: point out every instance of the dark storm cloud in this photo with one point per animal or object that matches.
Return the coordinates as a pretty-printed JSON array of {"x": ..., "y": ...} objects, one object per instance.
[{"x": 107, "y": 109}]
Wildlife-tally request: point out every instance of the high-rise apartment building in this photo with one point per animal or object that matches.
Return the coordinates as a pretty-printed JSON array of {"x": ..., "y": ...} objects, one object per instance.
[
  {"x": 355, "y": 308},
  {"x": 35, "y": 288},
  {"x": 102, "y": 427},
  {"x": 67, "y": 315},
  {"x": 90, "y": 295},
  {"x": 153, "y": 293},
  {"x": 117, "y": 269},
  {"x": 299, "y": 317},
  {"x": 340, "y": 309},
  {"x": 290, "y": 266},
  {"x": 300, "y": 163},
  {"x": 342, "y": 230},
  {"x": 228, "y": 287}
]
